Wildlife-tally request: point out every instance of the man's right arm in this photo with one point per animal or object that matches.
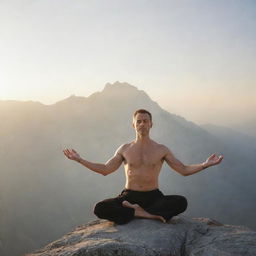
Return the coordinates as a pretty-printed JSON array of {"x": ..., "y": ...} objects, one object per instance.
[{"x": 110, "y": 166}]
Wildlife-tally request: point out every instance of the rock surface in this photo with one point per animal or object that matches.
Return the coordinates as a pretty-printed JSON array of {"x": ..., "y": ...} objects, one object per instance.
[{"x": 141, "y": 237}]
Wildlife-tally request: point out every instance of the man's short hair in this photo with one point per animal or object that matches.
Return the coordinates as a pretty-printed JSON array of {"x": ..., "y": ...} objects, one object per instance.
[{"x": 142, "y": 111}]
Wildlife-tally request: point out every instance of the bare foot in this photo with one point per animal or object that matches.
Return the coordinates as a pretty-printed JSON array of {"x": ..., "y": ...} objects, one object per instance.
[{"x": 141, "y": 213}]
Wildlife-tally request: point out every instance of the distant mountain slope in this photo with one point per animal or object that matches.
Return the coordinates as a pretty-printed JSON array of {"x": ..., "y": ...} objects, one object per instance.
[
  {"x": 248, "y": 127},
  {"x": 232, "y": 137},
  {"x": 40, "y": 187}
]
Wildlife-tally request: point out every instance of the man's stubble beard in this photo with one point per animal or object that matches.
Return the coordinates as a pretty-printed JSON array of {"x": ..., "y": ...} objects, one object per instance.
[{"x": 143, "y": 132}]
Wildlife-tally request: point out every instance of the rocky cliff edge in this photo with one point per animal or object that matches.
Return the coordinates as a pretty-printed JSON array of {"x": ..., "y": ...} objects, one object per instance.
[{"x": 181, "y": 236}]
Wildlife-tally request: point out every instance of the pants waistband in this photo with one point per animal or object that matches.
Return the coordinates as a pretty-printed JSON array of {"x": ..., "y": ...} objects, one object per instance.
[{"x": 141, "y": 192}]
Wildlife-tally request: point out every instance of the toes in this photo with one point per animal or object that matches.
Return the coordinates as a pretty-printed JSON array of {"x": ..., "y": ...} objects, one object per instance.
[
  {"x": 161, "y": 219},
  {"x": 125, "y": 203}
]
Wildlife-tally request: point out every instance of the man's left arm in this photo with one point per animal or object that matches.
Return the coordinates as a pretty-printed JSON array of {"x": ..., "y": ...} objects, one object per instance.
[{"x": 187, "y": 170}]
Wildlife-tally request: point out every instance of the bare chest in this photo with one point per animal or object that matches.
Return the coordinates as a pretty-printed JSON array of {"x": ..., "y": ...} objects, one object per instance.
[{"x": 137, "y": 157}]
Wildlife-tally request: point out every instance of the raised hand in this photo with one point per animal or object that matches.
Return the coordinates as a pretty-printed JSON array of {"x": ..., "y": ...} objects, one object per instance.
[
  {"x": 213, "y": 160},
  {"x": 71, "y": 154}
]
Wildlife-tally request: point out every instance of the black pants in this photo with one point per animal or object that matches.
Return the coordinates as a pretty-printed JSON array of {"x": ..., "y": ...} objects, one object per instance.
[{"x": 152, "y": 201}]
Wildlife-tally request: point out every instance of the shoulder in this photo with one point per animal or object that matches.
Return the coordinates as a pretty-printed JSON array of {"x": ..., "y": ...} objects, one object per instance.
[
  {"x": 122, "y": 148},
  {"x": 161, "y": 147},
  {"x": 120, "y": 151},
  {"x": 164, "y": 149}
]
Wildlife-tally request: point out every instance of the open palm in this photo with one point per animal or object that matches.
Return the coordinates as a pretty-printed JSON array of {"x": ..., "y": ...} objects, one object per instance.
[
  {"x": 213, "y": 160},
  {"x": 71, "y": 154}
]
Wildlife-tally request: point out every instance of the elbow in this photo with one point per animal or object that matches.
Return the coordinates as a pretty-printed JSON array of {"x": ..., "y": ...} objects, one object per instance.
[
  {"x": 184, "y": 171},
  {"x": 184, "y": 174},
  {"x": 104, "y": 173},
  {"x": 181, "y": 171},
  {"x": 103, "y": 170}
]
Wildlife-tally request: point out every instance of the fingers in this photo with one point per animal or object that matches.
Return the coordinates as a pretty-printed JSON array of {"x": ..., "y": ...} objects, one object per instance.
[
  {"x": 70, "y": 153},
  {"x": 220, "y": 158},
  {"x": 215, "y": 158},
  {"x": 67, "y": 153},
  {"x": 212, "y": 156},
  {"x": 69, "y": 150}
]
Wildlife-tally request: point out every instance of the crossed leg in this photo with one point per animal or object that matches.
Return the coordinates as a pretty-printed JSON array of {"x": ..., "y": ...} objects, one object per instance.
[
  {"x": 141, "y": 213},
  {"x": 121, "y": 211}
]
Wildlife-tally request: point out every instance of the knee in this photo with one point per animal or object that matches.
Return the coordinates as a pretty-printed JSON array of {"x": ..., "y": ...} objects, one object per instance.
[
  {"x": 99, "y": 209},
  {"x": 183, "y": 203}
]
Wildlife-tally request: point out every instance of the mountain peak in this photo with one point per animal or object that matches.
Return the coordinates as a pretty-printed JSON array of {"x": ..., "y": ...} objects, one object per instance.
[
  {"x": 118, "y": 85},
  {"x": 72, "y": 99}
]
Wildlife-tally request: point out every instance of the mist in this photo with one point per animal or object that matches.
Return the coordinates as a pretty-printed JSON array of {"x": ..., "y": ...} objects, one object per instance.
[{"x": 44, "y": 195}]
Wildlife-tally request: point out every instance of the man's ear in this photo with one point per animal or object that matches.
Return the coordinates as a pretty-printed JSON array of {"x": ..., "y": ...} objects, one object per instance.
[{"x": 151, "y": 125}]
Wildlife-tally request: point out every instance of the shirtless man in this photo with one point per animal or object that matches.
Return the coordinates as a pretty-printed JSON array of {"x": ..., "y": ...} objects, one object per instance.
[{"x": 143, "y": 159}]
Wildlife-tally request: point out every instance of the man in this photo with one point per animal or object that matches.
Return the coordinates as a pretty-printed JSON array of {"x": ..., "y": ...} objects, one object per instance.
[{"x": 143, "y": 159}]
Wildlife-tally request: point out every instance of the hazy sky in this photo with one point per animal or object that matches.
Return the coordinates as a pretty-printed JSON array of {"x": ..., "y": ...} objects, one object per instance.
[{"x": 195, "y": 58}]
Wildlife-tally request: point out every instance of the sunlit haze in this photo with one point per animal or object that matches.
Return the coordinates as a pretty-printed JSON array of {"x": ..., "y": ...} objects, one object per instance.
[{"x": 197, "y": 58}]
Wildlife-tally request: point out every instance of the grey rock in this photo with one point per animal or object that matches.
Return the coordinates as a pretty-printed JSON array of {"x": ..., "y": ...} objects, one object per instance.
[{"x": 141, "y": 237}]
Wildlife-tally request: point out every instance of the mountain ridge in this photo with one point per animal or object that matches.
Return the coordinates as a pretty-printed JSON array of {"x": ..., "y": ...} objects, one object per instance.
[{"x": 38, "y": 183}]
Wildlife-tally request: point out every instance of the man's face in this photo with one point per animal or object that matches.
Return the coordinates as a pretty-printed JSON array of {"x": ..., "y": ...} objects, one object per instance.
[{"x": 142, "y": 123}]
